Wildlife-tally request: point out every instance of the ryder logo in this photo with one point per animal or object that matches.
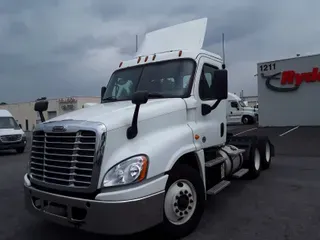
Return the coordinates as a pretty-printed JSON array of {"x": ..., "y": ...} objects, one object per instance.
[
  {"x": 291, "y": 77},
  {"x": 291, "y": 80}
]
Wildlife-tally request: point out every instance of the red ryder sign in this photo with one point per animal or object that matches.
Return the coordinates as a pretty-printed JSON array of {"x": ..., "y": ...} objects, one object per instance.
[{"x": 291, "y": 77}]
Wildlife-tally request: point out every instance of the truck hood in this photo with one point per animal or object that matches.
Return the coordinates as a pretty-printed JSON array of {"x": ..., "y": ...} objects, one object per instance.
[
  {"x": 10, "y": 131},
  {"x": 248, "y": 109},
  {"x": 118, "y": 114}
]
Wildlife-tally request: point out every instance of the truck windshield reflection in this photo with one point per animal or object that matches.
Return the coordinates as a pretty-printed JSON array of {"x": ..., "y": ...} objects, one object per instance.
[{"x": 169, "y": 79}]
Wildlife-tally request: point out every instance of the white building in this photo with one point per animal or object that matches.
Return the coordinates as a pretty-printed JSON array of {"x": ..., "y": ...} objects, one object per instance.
[
  {"x": 289, "y": 91},
  {"x": 26, "y": 116}
]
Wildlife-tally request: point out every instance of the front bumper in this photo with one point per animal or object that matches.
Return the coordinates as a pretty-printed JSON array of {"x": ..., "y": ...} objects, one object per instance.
[
  {"x": 13, "y": 145},
  {"x": 104, "y": 217}
]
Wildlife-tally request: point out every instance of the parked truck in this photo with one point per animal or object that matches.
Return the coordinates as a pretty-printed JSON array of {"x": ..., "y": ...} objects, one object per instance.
[
  {"x": 147, "y": 155},
  {"x": 12, "y": 137},
  {"x": 239, "y": 112}
]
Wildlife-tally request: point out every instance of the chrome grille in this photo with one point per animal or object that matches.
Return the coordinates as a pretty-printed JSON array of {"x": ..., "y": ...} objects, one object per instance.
[
  {"x": 64, "y": 158},
  {"x": 11, "y": 138}
]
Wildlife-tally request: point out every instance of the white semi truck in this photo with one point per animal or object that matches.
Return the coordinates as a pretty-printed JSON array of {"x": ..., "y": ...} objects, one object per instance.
[
  {"x": 239, "y": 112},
  {"x": 147, "y": 155}
]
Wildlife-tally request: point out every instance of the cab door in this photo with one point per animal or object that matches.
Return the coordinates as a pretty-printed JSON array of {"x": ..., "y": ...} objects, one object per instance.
[{"x": 211, "y": 127}]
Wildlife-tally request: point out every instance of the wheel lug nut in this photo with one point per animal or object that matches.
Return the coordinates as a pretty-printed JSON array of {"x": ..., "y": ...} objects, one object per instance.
[
  {"x": 181, "y": 213},
  {"x": 181, "y": 192},
  {"x": 191, "y": 201},
  {"x": 177, "y": 197},
  {"x": 185, "y": 192},
  {"x": 189, "y": 207},
  {"x": 177, "y": 210},
  {"x": 189, "y": 195},
  {"x": 175, "y": 204},
  {"x": 186, "y": 212}
]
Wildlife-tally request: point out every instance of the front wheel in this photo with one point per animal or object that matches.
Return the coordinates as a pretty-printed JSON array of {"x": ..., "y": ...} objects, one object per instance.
[
  {"x": 184, "y": 201},
  {"x": 246, "y": 120}
]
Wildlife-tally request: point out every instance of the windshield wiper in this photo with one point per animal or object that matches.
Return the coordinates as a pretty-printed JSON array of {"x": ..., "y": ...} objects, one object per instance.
[
  {"x": 156, "y": 95},
  {"x": 111, "y": 99}
]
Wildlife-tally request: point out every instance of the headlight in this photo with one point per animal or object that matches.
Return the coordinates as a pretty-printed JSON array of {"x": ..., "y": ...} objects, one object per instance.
[{"x": 129, "y": 171}]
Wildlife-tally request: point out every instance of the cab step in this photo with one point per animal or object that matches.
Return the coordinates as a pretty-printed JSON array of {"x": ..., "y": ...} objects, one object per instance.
[
  {"x": 215, "y": 161},
  {"x": 240, "y": 173},
  {"x": 218, "y": 187}
]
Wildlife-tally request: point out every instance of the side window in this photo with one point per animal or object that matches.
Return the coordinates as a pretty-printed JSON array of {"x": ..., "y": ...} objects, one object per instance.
[
  {"x": 205, "y": 84},
  {"x": 122, "y": 89},
  {"x": 234, "y": 104}
]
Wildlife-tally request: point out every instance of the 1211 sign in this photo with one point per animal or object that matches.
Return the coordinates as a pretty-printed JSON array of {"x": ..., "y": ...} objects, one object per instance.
[{"x": 267, "y": 67}]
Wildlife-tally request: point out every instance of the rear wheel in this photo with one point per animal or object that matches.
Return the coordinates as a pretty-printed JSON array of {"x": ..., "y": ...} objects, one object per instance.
[
  {"x": 265, "y": 152},
  {"x": 20, "y": 150},
  {"x": 254, "y": 164},
  {"x": 184, "y": 202}
]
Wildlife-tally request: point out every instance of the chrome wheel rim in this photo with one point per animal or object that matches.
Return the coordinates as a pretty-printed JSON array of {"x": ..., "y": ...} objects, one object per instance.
[{"x": 180, "y": 202}]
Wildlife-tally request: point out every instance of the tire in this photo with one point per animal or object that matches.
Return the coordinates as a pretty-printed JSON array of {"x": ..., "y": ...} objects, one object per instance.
[
  {"x": 20, "y": 150},
  {"x": 265, "y": 153},
  {"x": 247, "y": 120},
  {"x": 185, "y": 195},
  {"x": 254, "y": 164}
]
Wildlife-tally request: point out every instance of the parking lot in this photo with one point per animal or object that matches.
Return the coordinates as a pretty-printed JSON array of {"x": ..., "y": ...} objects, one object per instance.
[{"x": 283, "y": 203}]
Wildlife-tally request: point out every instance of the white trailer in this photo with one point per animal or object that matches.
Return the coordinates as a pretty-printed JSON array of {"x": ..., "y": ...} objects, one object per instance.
[{"x": 149, "y": 154}]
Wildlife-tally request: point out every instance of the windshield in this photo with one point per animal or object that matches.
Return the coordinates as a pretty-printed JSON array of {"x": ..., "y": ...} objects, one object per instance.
[
  {"x": 242, "y": 104},
  {"x": 162, "y": 79},
  {"x": 8, "y": 122}
]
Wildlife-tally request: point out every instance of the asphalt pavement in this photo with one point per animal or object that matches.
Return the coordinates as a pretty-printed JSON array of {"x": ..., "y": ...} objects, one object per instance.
[{"x": 282, "y": 204}]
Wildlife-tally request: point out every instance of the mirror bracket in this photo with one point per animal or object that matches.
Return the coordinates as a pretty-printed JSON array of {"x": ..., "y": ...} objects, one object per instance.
[
  {"x": 206, "y": 109},
  {"x": 138, "y": 98}
]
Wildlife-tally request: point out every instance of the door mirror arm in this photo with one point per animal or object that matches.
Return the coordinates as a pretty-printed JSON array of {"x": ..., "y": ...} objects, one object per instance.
[{"x": 206, "y": 109}]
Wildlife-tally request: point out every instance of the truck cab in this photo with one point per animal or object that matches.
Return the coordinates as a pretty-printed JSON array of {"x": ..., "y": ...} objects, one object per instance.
[
  {"x": 151, "y": 151},
  {"x": 238, "y": 111},
  {"x": 11, "y": 135}
]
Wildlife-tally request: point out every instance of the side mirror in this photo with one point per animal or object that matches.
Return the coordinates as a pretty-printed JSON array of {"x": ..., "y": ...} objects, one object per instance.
[
  {"x": 140, "y": 97},
  {"x": 220, "y": 84},
  {"x": 41, "y": 106},
  {"x": 103, "y": 90}
]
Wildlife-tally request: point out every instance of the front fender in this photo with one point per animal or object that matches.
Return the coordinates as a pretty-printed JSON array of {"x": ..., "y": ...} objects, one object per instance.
[
  {"x": 163, "y": 144},
  {"x": 248, "y": 113}
]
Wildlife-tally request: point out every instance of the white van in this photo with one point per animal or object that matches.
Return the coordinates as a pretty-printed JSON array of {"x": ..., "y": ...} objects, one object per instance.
[
  {"x": 11, "y": 135},
  {"x": 239, "y": 112}
]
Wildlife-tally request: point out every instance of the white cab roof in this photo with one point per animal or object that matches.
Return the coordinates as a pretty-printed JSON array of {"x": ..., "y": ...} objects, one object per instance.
[
  {"x": 5, "y": 113},
  {"x": 232, "y": 96}
]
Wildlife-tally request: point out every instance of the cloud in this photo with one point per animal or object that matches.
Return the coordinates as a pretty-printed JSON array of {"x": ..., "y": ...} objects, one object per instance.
[{"x": 59, "y": 48}]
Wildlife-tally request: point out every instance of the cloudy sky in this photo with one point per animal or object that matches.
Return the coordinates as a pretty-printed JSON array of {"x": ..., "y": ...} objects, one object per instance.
[{"x": 58, "y": 48}]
